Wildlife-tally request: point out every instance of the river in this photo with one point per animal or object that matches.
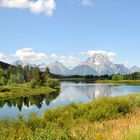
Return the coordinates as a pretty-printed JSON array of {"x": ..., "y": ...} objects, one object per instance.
[{"x": 70, "y": 93}]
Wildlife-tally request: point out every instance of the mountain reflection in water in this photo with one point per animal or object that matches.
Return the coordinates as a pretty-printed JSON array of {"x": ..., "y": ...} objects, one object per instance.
[{"x": 70, "y": 93}]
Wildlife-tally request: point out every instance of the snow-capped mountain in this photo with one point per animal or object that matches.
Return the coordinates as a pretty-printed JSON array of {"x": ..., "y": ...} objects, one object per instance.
[
  {"x": 83, "y": 70},
  {"x": 98, "y": 64},
  {"x": 120, "y": 68},
  {"x": 101, "y": 64},
  {"x": 58, "y": 68},
  {"x": 135, "y": 69},
  {"x": 42, "y": 66}
]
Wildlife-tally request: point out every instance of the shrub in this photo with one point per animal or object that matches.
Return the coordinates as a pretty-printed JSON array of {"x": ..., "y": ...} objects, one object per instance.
[
  {"x": 108, "y": 108},
  {"x": 53, "y": 83},
  {"x": 33, "y": 83},
  {"x": 12, "y": 80},
  {"x": 3, "y": 81}
]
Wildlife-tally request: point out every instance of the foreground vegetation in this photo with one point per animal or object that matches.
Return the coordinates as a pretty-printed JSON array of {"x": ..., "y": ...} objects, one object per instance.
[{"x": 106, "y": 118}]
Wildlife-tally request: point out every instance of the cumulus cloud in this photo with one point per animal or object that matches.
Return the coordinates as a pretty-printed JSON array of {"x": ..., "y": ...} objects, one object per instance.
[
  {"x": 38, "y": 6},
  {"x": 87, "y": 2},
  {"x": 70, "y": 59},
  {"x": 110, "y": 55},
  {"x": 27, "y": 54},
  {"x": 2, "y": 57},
  {"x": 90, "y": 53}
]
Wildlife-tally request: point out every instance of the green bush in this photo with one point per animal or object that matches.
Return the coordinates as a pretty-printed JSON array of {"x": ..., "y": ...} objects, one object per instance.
[
  {"x": 53, "y": 83},
  {"x": 3, "y": 81},
  {"x": 101, "y": 109},
  {"x": 108, "y": 108},
  {"x": 33, "y": 83}
]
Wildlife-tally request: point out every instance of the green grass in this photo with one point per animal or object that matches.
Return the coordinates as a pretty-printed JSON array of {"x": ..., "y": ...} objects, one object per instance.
[
  {"x": 23, "y": 90},
  {"x": 72, "y": 122},
  {"x": 128, "y": 82},
  {"x": 90, "y": 80}
]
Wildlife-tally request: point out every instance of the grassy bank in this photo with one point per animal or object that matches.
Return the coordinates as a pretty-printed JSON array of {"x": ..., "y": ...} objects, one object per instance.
[
  {"x": 106, "y": 118},
  {"x": 23, "y": 90},
  {"x": 89, "y": 80},
  {"x": 128, "y": 82}
]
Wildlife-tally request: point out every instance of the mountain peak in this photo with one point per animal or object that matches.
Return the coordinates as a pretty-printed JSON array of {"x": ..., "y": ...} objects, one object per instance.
[
  {"x": 99, "y": 56},
  {"x": 101, "y": 64},
  {"x": 135, "y": 69},
  {"x": 58, "y": 68},
  {"x": 21, "y": 63}
]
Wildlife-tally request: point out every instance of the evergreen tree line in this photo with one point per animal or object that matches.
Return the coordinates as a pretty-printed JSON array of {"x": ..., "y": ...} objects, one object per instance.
[
  {"x": 33, "y": 76},
  {"x": 133, "y": 76}
]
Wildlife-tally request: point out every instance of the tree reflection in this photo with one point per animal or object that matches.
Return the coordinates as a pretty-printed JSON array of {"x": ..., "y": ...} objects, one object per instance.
[{"x": 37, "y": 100}]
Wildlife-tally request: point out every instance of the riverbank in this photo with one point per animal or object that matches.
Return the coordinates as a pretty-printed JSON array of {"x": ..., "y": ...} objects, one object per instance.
[
  {"x": 107, "y": 118},
  {"x": 128, "y": 82},
  {"x": 88, "y": 80},
  {"x": 23, "y": 90}
]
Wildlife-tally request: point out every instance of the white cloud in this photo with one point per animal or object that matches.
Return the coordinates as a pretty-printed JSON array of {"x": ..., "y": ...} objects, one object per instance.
[
  {"x": 54, "y": 56},
  {"x": 27, "y": 54},
  {"x": 110, "y": 55},
  {"x": 70, "y": 59},
  {"x": 2, "y": 57},
  {"x": 87, "y": 2},
  {"x": 38, "y": 6}
]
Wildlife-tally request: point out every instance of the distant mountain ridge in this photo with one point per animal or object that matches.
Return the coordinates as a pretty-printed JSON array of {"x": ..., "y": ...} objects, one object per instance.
[
  {"x": 98, "y": 64},
  {"x": 58, "y": 68},
  {"x": 21, "y": 63},
  {"x": 101, "y": 65},
  {"x": 135, "y": 69},
  {"x": 83, "y": 69},
  {"x": 5, "y": 65}
]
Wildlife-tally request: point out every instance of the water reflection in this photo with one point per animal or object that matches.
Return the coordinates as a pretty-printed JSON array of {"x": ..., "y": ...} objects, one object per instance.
[
  {"x": 37, "y": 100},
  {"x": 85, "y": 91},
  {"x": 70, "y": 92}
]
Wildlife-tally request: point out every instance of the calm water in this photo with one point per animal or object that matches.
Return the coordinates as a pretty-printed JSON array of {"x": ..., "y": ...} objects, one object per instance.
[{"x": 70, "y": 92}]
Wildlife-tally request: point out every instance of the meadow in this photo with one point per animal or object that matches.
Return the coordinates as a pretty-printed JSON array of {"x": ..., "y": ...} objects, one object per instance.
[{"x": 23, "y": 90}]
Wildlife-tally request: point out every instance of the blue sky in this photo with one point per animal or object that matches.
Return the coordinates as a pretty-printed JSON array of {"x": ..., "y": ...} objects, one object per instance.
[{"x": 70, "y": 27}]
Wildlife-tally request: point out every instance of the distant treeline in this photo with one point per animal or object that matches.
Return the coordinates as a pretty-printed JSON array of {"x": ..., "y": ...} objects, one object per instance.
[{"x": 133, "y": 76}]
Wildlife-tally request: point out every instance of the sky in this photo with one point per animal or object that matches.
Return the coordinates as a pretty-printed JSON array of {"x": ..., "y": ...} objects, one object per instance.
[{"x": 42, "y": 31}]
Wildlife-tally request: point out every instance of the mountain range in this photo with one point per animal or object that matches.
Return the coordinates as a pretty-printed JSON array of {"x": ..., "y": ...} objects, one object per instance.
[{"x": 98, "y": 64}]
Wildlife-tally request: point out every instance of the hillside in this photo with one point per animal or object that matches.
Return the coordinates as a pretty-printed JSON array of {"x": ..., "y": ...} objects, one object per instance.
[{"x": 4, "y": 65}]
